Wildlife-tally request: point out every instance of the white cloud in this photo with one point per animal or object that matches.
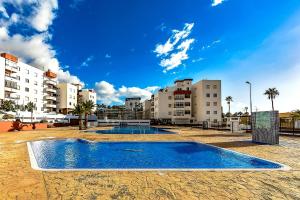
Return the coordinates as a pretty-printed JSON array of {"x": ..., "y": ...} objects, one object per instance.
[
  {"x": 66, "y": 77},
  {"x": 107, "y": 56},
  {"x": 107, "y": 94},
  {"x": 87, "y": 61},
  {"x": 33, "y": 49},
  {"x": 44, "y": 14},
  {"x": 164, "y": 49},
  {"x": 176, "y": 58},
  {"x": 174, "y": 51},
  {"x": 217, "y": 2}
]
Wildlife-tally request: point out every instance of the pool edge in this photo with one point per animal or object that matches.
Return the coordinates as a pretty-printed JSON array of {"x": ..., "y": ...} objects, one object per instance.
[{"x": 35, "y": 166}]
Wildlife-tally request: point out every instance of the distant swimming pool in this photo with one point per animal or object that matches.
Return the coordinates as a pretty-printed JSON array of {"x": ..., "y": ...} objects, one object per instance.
[
  {"x": 134, "y": 130},
  {"x": 84, "y": 155}
]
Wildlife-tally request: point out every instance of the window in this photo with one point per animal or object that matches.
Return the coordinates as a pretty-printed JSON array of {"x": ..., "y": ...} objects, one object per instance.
[
  {"x": 70, "y": 103},
  {"x": 18, "y": 77},
  {"x": 178, "y": 105},
  {"x": 35, "y": 74},
  {"x": 215, "y": 103},
  {"x": 215, "y": 112},
  {"x": 170, "y": 105},
  {"x": 215, "y": 86},
  {"x": 26, "y": 98},
  {"x": 187, "y": 104},
  {"x": 215, "y": 121},
  {"x": 207, "y": 103},
  {"x": 208, "y": 112},
  {"x": 187, "y": 88},
  {"x": 169, "y": 113},
  {"x": 207, "y": 95},
  {"x": 207, "y": 86},
  {"x": 35, "y": 91},
  {"x": 169, "y": 97},
  {"x": 187, "y": 96},
  {"x": 27, "y": 71},
  {"x": 35, "y": 99},
  {"x": 26, "y": 80},
  {"x": 215, "y": 95},
  {"x": 26, "y": 89},
  {"x": 35, "y": 83},
  {"x": 187, "y": 112}
]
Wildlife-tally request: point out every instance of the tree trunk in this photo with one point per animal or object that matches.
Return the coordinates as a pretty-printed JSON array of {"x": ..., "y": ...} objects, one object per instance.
[
  {"x": 229, "y": 108},
  {"x": 80, "y": 122},
  {"x": 86, "y": 121},
  {"x": 272, "y": 104},
  {"x": 31, "y": 116}
]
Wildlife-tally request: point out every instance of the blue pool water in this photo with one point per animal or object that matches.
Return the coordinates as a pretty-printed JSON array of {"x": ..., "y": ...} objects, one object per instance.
[
  {"x": 134, "y": 130},
  {"x": 82, "y": 154}
]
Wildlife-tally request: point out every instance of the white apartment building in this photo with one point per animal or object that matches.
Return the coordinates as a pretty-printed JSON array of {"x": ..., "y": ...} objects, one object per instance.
[
  {"x": 132, "y": 103},
  {"x": 173, "y": 104},
  {"x": 87, "y": 95},
  {"x": 20, "y": 82},
  {"x": 186, "y": 103},
  {"x": 67, "y": 97},
  {"x": 50, "y": 90}
]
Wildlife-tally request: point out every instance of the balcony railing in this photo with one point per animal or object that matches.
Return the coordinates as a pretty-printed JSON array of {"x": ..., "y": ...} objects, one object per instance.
[
  {"x": 51, "y": 90},
  {"x": 51, "y": 82},
  {"x": 48, "y": 97}
]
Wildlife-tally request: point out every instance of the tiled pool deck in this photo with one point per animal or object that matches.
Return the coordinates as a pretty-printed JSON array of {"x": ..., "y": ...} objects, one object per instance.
[{"x": 19, "y": 181}]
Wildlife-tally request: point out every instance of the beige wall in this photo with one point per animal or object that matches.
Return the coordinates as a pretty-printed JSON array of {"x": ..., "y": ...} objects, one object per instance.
[
  {"x": 202, "y": 104},
  {"x": 67, "y": 95},
  {"x": 87, "y": 94}
]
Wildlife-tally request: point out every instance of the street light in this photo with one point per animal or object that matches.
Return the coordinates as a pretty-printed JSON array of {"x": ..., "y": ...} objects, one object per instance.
[{"x": 247, "y": 82}]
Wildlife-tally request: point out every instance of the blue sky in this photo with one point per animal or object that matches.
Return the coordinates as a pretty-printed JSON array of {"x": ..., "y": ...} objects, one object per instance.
[{"x": 132, "y": 47}]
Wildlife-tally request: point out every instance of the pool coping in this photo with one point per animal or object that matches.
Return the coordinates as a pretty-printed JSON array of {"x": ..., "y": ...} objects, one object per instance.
[{"x": 35, "y": 166}]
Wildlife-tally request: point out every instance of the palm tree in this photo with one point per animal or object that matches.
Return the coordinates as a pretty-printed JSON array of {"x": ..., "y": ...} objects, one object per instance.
[
  {"x": 246, "y": 109},
  {"x": 295, "y": 113},
  {"x": 272, "y": 93},
  {"x": 88, "y": 107},
  {"x": 229, "y": 100},
  {"x": 79, "y": 110},
  {"x": 8, "y": 105},
  {"x": 30, "y": 107}
]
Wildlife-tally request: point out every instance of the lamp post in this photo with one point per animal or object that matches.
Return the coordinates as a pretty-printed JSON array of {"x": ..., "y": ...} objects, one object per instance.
[{"x": 250, "y": 85}]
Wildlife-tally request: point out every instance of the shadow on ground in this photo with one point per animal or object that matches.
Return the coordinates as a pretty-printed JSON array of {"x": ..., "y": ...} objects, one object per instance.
[
  {"x": 218, "y": 135},
  {"x": 235, "y": 144}
]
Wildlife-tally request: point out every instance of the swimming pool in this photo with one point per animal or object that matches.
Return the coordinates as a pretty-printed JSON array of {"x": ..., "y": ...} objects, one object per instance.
[
  {"x": 77, "y": 154},
  {"x": 133, "y": 130}
]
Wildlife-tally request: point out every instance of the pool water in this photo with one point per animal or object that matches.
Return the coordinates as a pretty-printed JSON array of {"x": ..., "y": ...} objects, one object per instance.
[
  {"x": 134, "y": 130},
  {"x": 82, "y": 154}
]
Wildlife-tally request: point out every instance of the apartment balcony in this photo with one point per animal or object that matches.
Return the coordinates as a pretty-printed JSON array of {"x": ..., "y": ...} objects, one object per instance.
[
  {"x": 10, "y": 97},
  {"x": 51, "y": 82},
  {"x": 48, "y": 105},
  {"x": 11, "y": 68},
  {"x": 11, "y": 86},
  {"x": 48, "y": 97},
  {"x": 10, "y": 78},
  {"x": 50, "y": 90}
]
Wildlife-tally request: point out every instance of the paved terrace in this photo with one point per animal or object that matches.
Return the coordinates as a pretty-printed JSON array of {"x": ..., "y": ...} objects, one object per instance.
[{"x": 19, "y": 181}]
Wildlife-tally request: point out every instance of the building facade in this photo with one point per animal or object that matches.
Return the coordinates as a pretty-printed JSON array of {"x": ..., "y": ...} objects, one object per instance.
[
  {"x": 22, "y": 83},
  {"x": 67, "y": 97},
  {"x": 132, "y": 103},
  {"x": 187, "y": 103},
  {"x": 88, "y": 95}
]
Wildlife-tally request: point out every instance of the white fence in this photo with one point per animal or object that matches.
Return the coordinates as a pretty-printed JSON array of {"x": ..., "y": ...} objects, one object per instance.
[{"x": 123, "y": 122}]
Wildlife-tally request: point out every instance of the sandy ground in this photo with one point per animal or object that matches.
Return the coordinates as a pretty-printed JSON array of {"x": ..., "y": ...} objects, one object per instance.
[{"x": 19, "y": 181}]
